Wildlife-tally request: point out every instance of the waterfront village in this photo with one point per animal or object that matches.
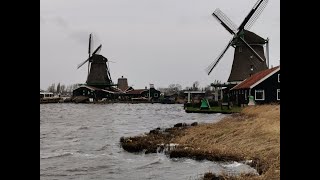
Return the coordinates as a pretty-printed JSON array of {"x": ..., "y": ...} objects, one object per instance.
[
  {"x": 260, "y": 88},
  {"x": 251, "y": 135}
]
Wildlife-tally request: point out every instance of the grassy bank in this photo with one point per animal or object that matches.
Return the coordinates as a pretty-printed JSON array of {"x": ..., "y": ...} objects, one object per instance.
[{"x": 253, "y": 134}]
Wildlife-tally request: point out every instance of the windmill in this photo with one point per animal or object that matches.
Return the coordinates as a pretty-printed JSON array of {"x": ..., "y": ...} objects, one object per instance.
[
  {"x": 98, "y": 68},
  {"x": 249, "y": 55}
]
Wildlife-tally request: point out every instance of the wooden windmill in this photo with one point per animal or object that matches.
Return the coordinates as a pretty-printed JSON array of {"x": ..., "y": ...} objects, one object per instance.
[
  {"x": 249, "y": 55},
  {"x": 98, "y": 69}
]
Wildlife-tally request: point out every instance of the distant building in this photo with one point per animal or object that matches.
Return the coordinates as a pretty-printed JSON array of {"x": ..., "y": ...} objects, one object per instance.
[
  {"x": 95, "y": 93},
  {"x": 136, "y": 93},
  {"x": 151, "y": 93},
  {"x": 120, "y": 93},
  {"x": 264, "y": 86},
  {"x": 123, "y": 83},
  {"x": 44, "y": 94},
  {"x": 194, "y": 96}
]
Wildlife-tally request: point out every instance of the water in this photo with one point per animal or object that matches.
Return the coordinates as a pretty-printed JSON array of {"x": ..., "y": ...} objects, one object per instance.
[{"x": 81, "y": 141}]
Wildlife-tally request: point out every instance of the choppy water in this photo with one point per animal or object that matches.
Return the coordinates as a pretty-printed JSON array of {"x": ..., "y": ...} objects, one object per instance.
[{"x": 81, "y": 141}]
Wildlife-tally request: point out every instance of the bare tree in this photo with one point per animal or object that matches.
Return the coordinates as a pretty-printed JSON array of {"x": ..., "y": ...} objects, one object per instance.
[
  {"x": 63, "y": 89},
  {"x": 51, "y": 88},
  {"x": 195, "y": 86},
  {"x": 174, "y": 88},
  {"x": 163, "y": 90},
  {"x": 58, "y": 88}
]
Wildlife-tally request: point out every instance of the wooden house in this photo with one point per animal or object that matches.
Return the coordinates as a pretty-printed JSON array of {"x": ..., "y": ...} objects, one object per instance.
[
  {"x": 95, "y": 93},
  {"x": 151, "y": 93},
  {"x": 264, "y": 86}
]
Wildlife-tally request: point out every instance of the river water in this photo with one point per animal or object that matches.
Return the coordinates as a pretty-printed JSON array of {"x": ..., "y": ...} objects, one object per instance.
[{"x": 81, "y": 141}]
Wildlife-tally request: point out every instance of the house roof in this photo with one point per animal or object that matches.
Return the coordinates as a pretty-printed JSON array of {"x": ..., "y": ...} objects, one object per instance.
[
  {"x": 46, "y": 93},
  {"x": 253, "y": 38},
  {"x": 136, "y": 91},
  {"x": 89, "y": 87},
  {"x": 195, "y": 92},
  {"x": 256, "y": 78},
  {"x": 111, "y": 90},
  {"x": 128, "y": 89}
]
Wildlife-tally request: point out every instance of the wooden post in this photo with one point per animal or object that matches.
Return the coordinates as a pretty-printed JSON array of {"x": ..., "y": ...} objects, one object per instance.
[{"x": 216, "y": 93}]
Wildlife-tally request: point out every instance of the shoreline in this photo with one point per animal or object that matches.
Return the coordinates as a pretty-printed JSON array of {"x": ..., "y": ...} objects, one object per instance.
[{"x": 251, "y": 135}]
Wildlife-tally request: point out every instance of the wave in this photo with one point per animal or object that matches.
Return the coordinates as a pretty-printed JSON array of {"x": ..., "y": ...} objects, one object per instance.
[
  {"x": 57, "y": 155},
  {"x": 156, "y": 161},
  {"x": 85, "y": 169}
]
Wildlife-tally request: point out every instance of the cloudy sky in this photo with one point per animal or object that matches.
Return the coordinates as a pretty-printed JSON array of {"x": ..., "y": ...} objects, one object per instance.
[{"x": 149, "y": 41}]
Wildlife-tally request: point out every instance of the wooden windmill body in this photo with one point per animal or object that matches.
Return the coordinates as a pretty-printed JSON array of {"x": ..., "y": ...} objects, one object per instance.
[
  {"x": 249, "y": 56},
  {"x": 98, "y": 70}
]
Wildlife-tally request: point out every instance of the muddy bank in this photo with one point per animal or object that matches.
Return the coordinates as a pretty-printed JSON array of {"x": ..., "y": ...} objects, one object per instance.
[
  {"x": 251, "y": 136},
  {"x": 156, "y": 140},
  {"x": 163, "y": 140}
]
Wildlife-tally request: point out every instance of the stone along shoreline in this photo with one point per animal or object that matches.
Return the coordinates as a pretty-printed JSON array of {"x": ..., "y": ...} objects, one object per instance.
[{"x": 251, "y": 136}]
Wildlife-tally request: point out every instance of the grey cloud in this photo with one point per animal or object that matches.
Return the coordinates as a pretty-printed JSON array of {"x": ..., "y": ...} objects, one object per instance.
[
  {"x": 60, "y": 22},
  {"x": 42, "y": 20},
  {"x": 159, "y": 41},
  {"x": 80, "y": 36}
]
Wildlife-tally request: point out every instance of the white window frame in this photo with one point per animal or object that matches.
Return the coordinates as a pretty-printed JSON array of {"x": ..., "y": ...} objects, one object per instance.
[
  {"x": 278, "y": 91},
  {"x": 263, "y": 94},
  {"x": 155, "y": 94},
  {"x": 278, "y": 77}
]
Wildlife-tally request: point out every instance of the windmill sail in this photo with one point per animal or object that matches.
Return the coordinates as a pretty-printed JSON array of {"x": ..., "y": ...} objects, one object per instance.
[
  {"x": 214, "y": 63},
  {"x": 98, "y": 70},
  {"x": 225, "y": 21},
  {"x": 249, "y": 53}
]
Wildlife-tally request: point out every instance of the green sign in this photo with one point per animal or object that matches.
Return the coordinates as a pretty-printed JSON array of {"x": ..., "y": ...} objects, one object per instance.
[{"x": 204, "y": 104}]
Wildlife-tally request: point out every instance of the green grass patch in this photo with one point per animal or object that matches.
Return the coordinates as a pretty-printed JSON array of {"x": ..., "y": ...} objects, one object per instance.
[{"x": 214, "y": 109}]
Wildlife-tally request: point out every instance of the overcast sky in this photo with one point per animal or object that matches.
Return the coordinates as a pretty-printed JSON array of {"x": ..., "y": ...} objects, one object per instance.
[{"x": 150, "y": 41}]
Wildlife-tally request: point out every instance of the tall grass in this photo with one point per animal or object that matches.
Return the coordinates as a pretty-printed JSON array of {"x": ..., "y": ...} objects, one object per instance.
[{"x": 254, "y": 134}]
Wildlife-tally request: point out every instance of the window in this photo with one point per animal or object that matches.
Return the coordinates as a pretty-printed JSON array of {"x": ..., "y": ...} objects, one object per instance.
[
  {"x": 278, "y": 77},
  {"x": 278, "y": 94},
  {"x": 240, "y": 49},
  {"x": 245, "y": 94},
  {"x": 155, "y": 94},
  {"x": 259, "y": 94}
]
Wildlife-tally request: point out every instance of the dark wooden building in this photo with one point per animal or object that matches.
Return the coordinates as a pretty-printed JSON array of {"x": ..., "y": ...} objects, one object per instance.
[
  {"x": 95, "y": 93},
  {"x": 154, "y": 94},
  {"x": 138, "y": 93},
  {"x": 264, "y": 86}
]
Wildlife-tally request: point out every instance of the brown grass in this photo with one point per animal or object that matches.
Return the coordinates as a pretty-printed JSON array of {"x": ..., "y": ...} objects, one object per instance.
[{"x": 254, "y": 134}]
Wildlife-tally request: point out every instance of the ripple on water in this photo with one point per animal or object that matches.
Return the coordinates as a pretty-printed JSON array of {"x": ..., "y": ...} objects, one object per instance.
[{"x": 82, "y": 142}]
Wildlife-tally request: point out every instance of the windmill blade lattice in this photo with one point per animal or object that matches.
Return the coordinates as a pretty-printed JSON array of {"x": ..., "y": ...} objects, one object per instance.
[
  {"x": 255, "y": 15},
  {"x": 225, "y": 21},
  {"x": 251, "y": 13}
]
